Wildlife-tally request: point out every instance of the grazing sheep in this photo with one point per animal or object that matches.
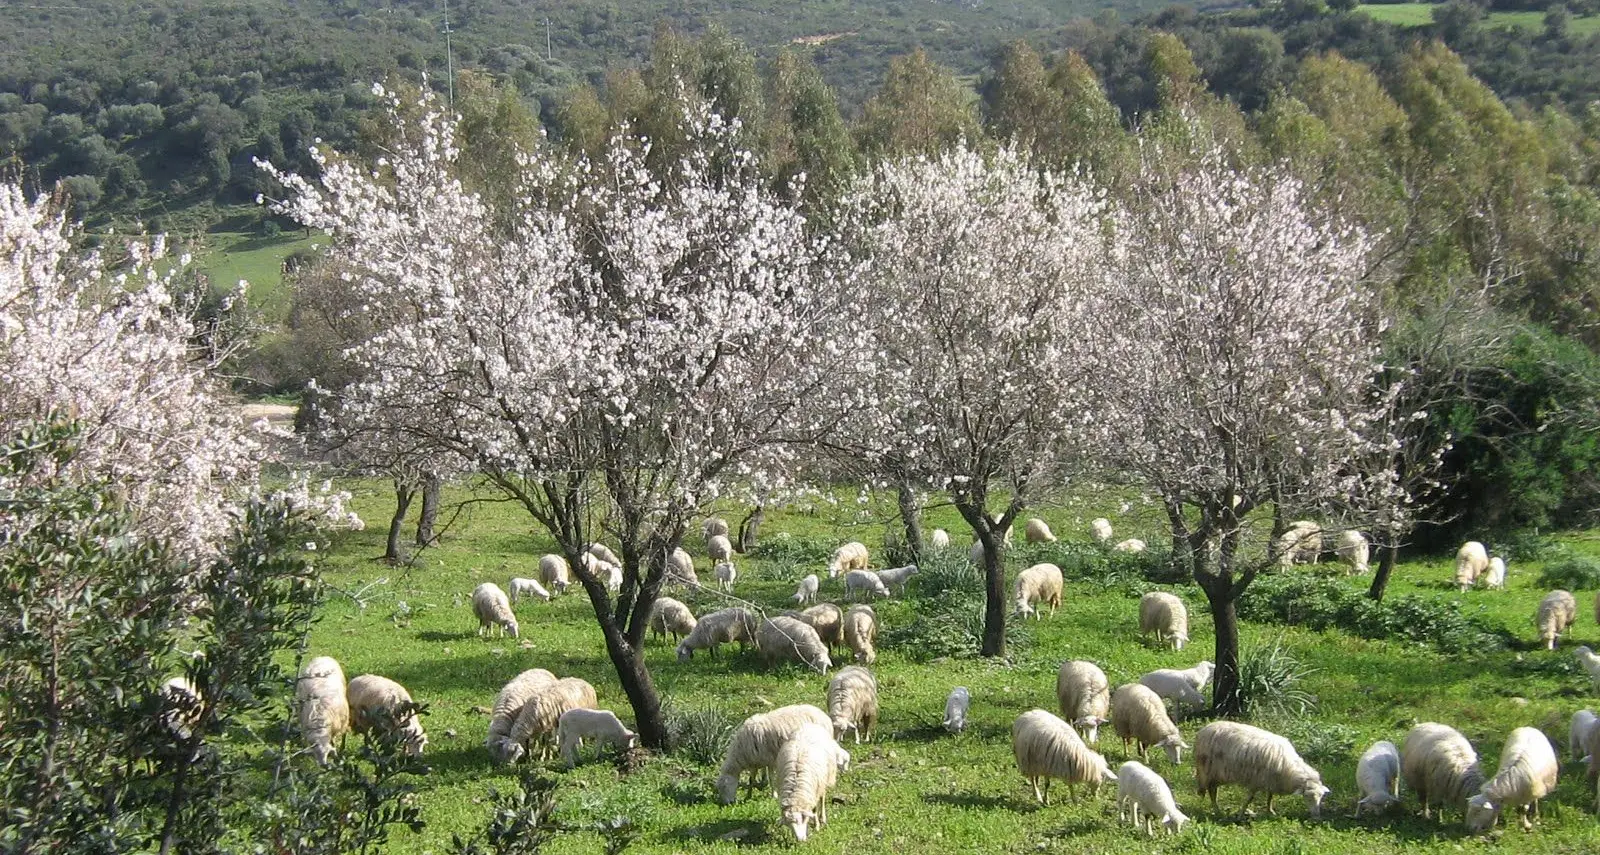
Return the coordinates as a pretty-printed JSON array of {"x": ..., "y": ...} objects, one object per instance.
[
  {"x": 322, "y": 706},
  {"x": 1439, "y": 765},
  {"x": 381, "y": 703},
  {"x": 1527, "y": 773},
  {"x": 807, "y": 591},
  {"x": 1378, "y": 777},
  {"x": 1352, "y": 549},
  {"x": 1166, "y": 616},
  {"x": 726, "y": 574},
  {"x": 806, "y": 766},
  {"x": 861, "y": 632},
  {"x": 786, "y": 638},
  {"x": 1557, "y": 611},
  {"x": 1047, "y": 747},
  {"x": 955, "y": 709},
  {"x": 828, "y": 620},
  {"x": 1139, "y": 788},
  {"x": 1085, "y": 696},
  {"x": 181, "y": 706},
  {"x": 1227, "y": 752},
  {"x": 1132, "y": 544},
  {"x": 608, "y": 572},
  {"x": 1495, "y": 577},
  {"x": 975, "y": 553},
  {"x": 897, "y": 576},
  {"x": 507, "y": 708},
  {"x": 671, "y": 616},
  {"x": 600, "y": 726},
  {"x": 1100, "y": 529},
  {"x": 522, "y": 588},
  {"x": 718, "y": 628},
  {"x": 680, "y": 569},
  {"x": 553, "y": 572},
  {"x": 1040, "y": 583},
  {"x": 853, "y": 703},
  {"x": 1138, "y": 714},
  {"x": 861, "y": 583},
  {"x": 1583, "y": 721},
  {"x": 1180, "y": 686},
  {"x": 493, "y": 609},
  {"x": 1591, "y": 664},
  {"x": 851, "y": 556},
  {"x": 1300, "y": 543},
  {"x": 720, "y": 548},
  {"x": 602, "y": 552},
  {"x": 541, "y": 714},
  {"x": 714, "y": 527},
  {"x": 1471, "y": 560},
  {"x": 1037, "y": 531},
  {"x": 755, "y": 744},
  {"x": 939, "y": 540}
]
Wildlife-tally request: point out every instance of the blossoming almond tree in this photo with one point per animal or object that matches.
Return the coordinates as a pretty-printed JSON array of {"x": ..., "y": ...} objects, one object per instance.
[
  {"x": 1237, "y": 365},
  {"x": 631, "y": 344},
  {"x": 981, "y": 265}
]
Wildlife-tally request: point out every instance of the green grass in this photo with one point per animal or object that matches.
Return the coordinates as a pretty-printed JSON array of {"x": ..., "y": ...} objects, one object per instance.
[
  {"x": 232, "y": 256},
  {"x": 1421, "y": 14},
  {"x": 915, "y": 788}
]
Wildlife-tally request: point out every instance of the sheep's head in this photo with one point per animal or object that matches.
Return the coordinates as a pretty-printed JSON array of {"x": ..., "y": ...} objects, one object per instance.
[
  {"x": 1090, "y": 725},
  {"x": 1313, "y": 792},
  {"x": 799, "y": 820},
  {"x": 512, "y": 629},
  {"x": 1179, "y": 639},
  {"x": 685, "y": 652},
  {"x": 841, "y": 758},
  {"x": 1174, "y": 821},
  {"x": 1107, "y": 775},
  {"x": 727, "y": 789},
  {"x": 823, "y": 662},
  {"x": 1481, "y": 813},
  {"x": 842, "y": 726},
  {"x": 629, "y": 739},
  {"x": 1174, "y": 746},
  {"x": 322, "y": 753}
]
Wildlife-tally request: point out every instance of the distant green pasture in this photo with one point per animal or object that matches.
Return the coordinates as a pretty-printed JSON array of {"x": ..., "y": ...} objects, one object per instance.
[{"x": 1420, "y": 14}]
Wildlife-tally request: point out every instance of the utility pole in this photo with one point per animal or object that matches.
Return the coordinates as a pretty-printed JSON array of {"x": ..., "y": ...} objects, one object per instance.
[
  {"x": 449, "y": 57},
  {"x": 548, "y": 53}
]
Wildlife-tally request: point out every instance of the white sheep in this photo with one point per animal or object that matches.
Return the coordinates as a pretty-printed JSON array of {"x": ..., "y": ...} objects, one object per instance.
[
  {"x": 1137, "y": 713},
  {"x": 1085, "y": 696},
  {"x": 718, "y": 628},
  {"x": 608, "y": 572},
  {"x": 786, "y": 638},
  {"x": 553, "y": 571},
  {"x": 680, "y": 569},
  {"x": 1139, "y": 788},
  {"x": 807, "y": 591},
  {"x": 1527, "y": 773},
  {"x": 1040, "y": 583},
  {"x": 720, "y": 548},
  {"x": 861, "y": 632},
  {"x": 1353, "y": 549},
  {"x": 1047, "y": 747},
  {"x": 1132, "y": 544},
  {"x": 1556, "y": 614},
  {"x": 1471, "y": 560},
  {"x": 379, "y": 703},
  {"x": 955, "y": 709},
  {"x": 1100, "y": 529},
  {"x": 1378, "y": 777},
  {"x": 507, "y": 708},
  {"x": 939, "y": 540},
  {"x": 828, "y": 620},
  {"x": 1495, "y": 577},
  {"x": 181, "y": 706},
  {"x": 600, "y": 726},
  {"x": 862, "y": 583},
  {"x": 1037, "y": 531},
  {"x": 671, "y": 616},
  {"x": 807, "y": 765},
  {"x": 536, "y": 723},
  {"x": 714, "y": 527},
  {"x": 755, "y": 745},
  {"x": 1591, "y": 665},
  {"x": 1300, "y": 543},
  {"x": 1578, "y": 729},
  {"x": 1227, "y": 752},
  {"x": 1166, "y": 616},
  {"x": 524, "y": 588},
  {"x": 897, "y": 576},
  {"x": 851, "y": 556},
  {"x": 1180, "y": 686},
  {"x": 853, "y": 703},
  {"x": 603, "y": 553},
  {"x": 1591, "y": 746},
  {"x": 321, "y": 706},
  {"x": 1439, "y": 765},
  {"x": 493, "y": 609},
  {"x": 975, "y": 553},
  {"x": 726, "y": 573}
]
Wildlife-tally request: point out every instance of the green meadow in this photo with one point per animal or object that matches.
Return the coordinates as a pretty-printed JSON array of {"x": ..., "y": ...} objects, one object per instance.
[{"x": 1420, "y": 14}]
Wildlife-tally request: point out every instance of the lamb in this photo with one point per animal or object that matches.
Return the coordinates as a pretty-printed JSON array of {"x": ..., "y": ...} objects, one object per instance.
[
  {"x": 553, "y": 572},
  {"x": 1227, "y": 752},
  {"x": 860, "y": 583},
  {"x": 718, "y": 628},
  {"x": 784, "y": 637},
  {"x": 1557, "y": 611},
  {"x": 1166, "y": 616},
  {"x": 851, "y": 556},
  {"x": 1527, "y": 773},
  {"x": 671, "y": 616},
  {"x": 755, "y": 744},
  {"x": 1100, "y": 528},
  {"x": 1583, "y": 721},
  {"x": 955, "y": 709},
  {"x": 1180, "y": 687},
  {"x": 1438, "y": 763},
  {"x": 379, "y": 703},
  {"x": 601, "y": 726},
  {"x": 861, "y": 632},
  {"x": 807, "y": 592},
  {"x": 828, "y": 620},
  {"x": 541, "y": 714},
  {"x": 602, "y": 552},
  {"x": 1471, "y": 560},
  {"x": 898, "y": 576},
  {"x": 181, "y": 706},
  {"x": 726, "y": 574},
  {"x": 807, "y": 765},
  {"x": 321, "y": 706},
  {"x": 1040, "y": 583},
  {"x": 493, "y": 609},
  {"x": 523, "y": 588},
  {"x": 1141, "y": 789},
  {"x": 1352, "y": 549},
  {"x": 1138, "y": 714},
  {"x": 1047, "y": 747},
  {"x": 715, "y": 526},
  {"x": 608, "y": 572},
  {"x": 939, "y": 540},
  {"x": 1378, "y": 777},
  {"x": 680, "y": 569},
  {"x": 1085, "y": 696},
  {"x": 853, "y": 702},
  {"x": 720, "y": 548},
  {"x": 1037, "y": 531},
  {"x": 1132, "y": 544},
  {"x": 1495, "y": 577},
  {"x": 507, "y": 708},
  {"x": 1591, "y": 664},
  {"x": 1300, "y": 543}
]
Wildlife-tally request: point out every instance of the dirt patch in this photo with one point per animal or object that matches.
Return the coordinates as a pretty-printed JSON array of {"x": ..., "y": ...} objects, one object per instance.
[{"x": 824, "y": 38}]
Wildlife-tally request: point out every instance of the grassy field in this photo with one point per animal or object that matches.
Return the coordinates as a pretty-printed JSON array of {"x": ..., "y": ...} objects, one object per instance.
[
  {"x": 1419, "y": 14},
  {"x": 231, "y": 256},
  {"x": 916, "y": 788}
]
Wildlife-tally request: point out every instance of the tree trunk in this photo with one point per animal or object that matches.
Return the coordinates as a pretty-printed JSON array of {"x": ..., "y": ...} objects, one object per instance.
[
  {"x": 432, "y": 486},
  {"x": 1380, "y": 580},
  {"x": 1181, "y": 556},
  {"x": 749, "y": 528},
  {"x": 403, "y": 493},
  {"x": 1225, "y": 700},
  {"x": 911, "y": 518},
  {"x": 638, "y": 686},
  {"x": 994, "y": 576}
]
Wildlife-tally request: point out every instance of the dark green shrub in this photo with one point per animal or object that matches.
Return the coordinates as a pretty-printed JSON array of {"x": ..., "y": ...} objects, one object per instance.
[
  {"x": 699, "y": 733},
  {"x": 946, "y": 571},
  {"x": 1321, "y": 742},
  {"x": 1570, "y": 571},
  {"x": 519, "y": 822},
  {"x": 1272, "y": 682},
  {"x": 1318, "y": 602},
  {"x": 950, "y": 624},
  {"x": 784, "y": 548}
]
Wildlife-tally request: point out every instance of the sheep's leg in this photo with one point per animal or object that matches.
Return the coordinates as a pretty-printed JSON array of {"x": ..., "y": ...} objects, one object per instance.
[
  {"x": 1269, "y": 805},
  {"x": 1249, "y": 797},
  {"x": 1213, "y": 793},
  {"x": 1037, "y": 793}
]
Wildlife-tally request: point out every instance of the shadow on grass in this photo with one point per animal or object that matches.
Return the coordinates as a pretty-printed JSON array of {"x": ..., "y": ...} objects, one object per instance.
[
  {"x": 435, "y": 635},
  {"x": 684, "y": 793},
  {"x": 980, "y": 801},
  {"x": 738, "y": 831}
]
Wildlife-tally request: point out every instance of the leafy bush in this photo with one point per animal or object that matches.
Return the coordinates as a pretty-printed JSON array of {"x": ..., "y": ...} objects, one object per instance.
[
  {"x": 1320, "y": 603},
  {"x": 950, "y": 624},
  {"x": 519, "y": 822},
  {"x": 784, "y": 548},
  {"x": 1272, "y": 682},
  {"x": 1318, "y": 741},
  {"x": 944, "y": 572},
  {"x": 1571, "y": 571},
  {"x": 699, "y": 733}
]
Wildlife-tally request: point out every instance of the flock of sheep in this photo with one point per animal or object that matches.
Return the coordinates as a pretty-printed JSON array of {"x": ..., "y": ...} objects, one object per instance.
[{"x": 795, "y": 751}]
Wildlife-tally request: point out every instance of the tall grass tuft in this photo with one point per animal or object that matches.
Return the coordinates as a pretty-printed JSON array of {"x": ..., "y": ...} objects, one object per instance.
[{"x": 1273, "y": 682}]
